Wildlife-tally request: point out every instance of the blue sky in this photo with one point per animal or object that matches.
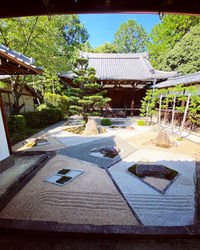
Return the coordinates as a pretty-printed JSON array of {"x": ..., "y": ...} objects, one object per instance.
[{"x": 102, "y": 27}]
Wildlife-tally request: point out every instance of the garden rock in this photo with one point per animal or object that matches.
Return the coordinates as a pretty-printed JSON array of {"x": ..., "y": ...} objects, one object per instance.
[
  {"x": 101, "y": 130},
  {"x": 158, "y": 171},
  {"x": 90, "y": 128},
  {"x": 162, "y": 140},
  {"x": 107, "y": 150},
  {"x": 129, "y": 128}
]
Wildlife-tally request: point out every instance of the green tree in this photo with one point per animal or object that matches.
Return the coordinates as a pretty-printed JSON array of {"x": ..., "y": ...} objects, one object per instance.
[
  {"x": 166, "y": 34},
  {"x": 50, "y": 42},
  {"x": 185, "y": 56},
  {"x": 130, "y": 38},
  {"x": 86, "y": 98},
  {"x": 106, "y": 48}
]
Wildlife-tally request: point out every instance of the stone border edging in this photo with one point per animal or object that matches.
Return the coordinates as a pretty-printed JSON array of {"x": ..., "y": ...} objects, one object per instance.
[
  {"x": 55, "y": 227},
  {"x": 27, "y": 175}
]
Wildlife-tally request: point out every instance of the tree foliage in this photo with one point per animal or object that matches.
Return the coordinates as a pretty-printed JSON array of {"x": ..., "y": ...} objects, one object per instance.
[
  {"x": 166, "y": 34},
  {"x": 174, "y": 95},
  {"x": 130, "y": 38},
  {"x": 52, "y": 43},
  {"x": 185, "y": 55},
  {"x": 106, "y": 48},
  {"x": 86, "y": 98}
]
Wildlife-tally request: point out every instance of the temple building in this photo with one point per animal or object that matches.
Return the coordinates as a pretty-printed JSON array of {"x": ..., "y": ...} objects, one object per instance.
[{"x": 125, "y": 77}]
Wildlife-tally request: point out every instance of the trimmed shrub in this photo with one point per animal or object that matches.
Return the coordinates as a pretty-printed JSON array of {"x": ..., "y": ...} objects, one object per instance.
[
  {"x": 106, "y": 122},
  {"x": 16, "y": 123},
  {"x": 141, "y": 123},
  {"x": 43, "y": 118},
  {"x": 57, "y": 101},
  {"x": 41, "y": 107}
]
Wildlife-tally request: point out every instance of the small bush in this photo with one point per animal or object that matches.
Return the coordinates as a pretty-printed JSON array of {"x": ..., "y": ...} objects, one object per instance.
[
  {"x": 141, "y": 123},
  {"x": 43, "y": 118},
  {"x": 16, "y": 123},
  {"x": 106, "y": 122},
  {"x": 57, "y": 101},
  {"x": 41, "y": 107},
  {"x": 83, "y": 123}
]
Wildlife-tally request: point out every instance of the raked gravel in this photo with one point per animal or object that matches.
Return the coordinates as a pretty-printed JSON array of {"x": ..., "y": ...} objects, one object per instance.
[{"x": 176, "y": 207}]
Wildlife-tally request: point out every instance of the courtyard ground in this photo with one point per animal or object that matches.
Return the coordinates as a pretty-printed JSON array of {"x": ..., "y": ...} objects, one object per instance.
[{"x": 106, "y": 198}]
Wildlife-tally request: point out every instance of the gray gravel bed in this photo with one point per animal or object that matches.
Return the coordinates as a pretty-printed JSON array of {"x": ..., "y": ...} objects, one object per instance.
[{"x": 83, "y": 151}]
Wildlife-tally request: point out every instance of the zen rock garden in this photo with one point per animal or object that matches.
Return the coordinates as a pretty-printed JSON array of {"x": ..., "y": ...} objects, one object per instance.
[{"x": 121, "y": 171}]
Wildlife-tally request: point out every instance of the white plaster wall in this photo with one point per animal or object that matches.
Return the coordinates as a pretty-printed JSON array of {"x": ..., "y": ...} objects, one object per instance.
[{"x": 4, "y": 151}]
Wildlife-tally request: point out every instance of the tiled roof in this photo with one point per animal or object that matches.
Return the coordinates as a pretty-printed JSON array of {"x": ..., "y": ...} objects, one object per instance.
[
  {"x": 124, "y": 67},
  {"x": 187, "y": 79},
  {"x": 18, "y": 56}
]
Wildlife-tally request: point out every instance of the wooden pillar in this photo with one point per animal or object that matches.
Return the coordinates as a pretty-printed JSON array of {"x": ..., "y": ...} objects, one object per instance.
[
  {"x": 183, "y": 103},
  {"x": 133, "y": 101},
  {"x": 166, "y": 113}
]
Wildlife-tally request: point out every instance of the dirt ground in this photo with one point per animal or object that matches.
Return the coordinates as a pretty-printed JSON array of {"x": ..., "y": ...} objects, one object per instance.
[{"x": 184, "y": 147}]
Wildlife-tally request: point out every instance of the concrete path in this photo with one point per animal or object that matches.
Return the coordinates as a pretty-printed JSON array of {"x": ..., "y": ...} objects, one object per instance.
[{"x": 176, "y": 207}]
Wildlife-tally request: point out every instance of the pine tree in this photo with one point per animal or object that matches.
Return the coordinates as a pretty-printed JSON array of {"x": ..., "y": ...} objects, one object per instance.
[{"x": 87, "y": 96}]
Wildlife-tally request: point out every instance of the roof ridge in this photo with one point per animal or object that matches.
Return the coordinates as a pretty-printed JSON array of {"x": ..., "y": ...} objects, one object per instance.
[
  {"x": 17, "y": 55},
  {"x": 113, "y": 55}
]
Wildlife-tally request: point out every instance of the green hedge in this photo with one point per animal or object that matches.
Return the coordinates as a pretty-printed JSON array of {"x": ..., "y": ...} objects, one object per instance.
[
  {"x": 106, "y": 122},
  {"x": 43, "y": 118},
  {"x": 16, "y": 123}
]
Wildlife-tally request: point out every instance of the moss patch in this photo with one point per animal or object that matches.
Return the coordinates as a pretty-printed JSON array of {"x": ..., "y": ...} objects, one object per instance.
[
  {"x": 63, "y": 179},
  {"x": 114, "y": 126},
  {"x": 76, "y": 130},
  {"x": 63, "y": 171},
  {"x": 170, "y": 176},
  {"x": 141, "y": 123},
  {"x": 179, "y": 139}
]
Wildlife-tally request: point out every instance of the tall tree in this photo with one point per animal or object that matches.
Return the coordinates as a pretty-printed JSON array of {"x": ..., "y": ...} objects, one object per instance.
[
  {"x": 87, "y": 97},
  {"x": 106, "y": 48},
  {"x": 166, "y": 34},
  {"x": 130, "y": 38},
  {"x": 51, "y": 42},
  {"x": 185, "y": 56}
]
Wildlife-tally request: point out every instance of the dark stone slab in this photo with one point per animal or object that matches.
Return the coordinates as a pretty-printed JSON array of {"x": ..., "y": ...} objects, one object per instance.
[{"x": 158, "y": 171}]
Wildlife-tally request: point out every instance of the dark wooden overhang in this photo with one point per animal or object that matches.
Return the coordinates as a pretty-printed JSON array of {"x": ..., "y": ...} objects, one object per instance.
[
  {"x": 124, "y": 83},
  {"x": 10, "y": 65},
  {"x": 16, "y": 8},
  {"x": 113, "y": 83}
]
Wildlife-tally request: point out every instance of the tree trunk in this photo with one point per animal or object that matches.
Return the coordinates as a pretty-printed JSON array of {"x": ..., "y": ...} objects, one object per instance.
[
  {"x": 166, "y": 113},
  {"x": 185, "y": 114},
  {"x": 147, "y": 114},
  {"x": 53, "y": 86},
  {"x": 173, "y": 111},
  {"x": 17, "y": 89},
  {"x": 159, "y": 116}
]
